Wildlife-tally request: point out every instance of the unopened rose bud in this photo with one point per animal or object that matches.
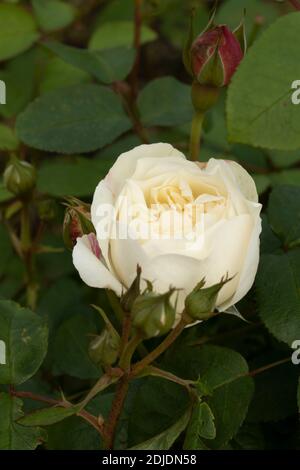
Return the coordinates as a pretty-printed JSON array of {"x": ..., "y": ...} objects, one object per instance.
[
  {"x": 77, "y": 222},
  {"x": 200, "y": 303},
  {"x": 153, "y": 314},
  {"x": 215, "y": 55},
  {"x": 104, "y": 349},
  {"x": 19, "y": 177}
]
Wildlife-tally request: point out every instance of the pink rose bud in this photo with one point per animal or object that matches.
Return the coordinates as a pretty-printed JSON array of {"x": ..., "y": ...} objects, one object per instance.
[
  {"x": 215, "y": 55},
  {"x": 77, "y": 222}
]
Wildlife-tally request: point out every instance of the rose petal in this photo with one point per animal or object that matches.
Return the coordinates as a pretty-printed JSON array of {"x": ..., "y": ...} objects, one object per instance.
[{"x": 91, "y": 270}]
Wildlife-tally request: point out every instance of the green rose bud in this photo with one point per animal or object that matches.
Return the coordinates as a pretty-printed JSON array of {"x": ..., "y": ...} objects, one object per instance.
[
  {"x": 104, "y": 349},
  {"x": 200, "y": 303},
  {"x": 153, "y": 314},
  {"x": 19, "y": 177}
]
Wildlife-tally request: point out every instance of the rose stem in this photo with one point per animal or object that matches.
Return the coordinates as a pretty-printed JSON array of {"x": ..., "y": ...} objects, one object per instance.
[
  {"x": 115, "y": 413},
  {"x": 139, "y": 366},
  {"x": 196, "y": 132}
]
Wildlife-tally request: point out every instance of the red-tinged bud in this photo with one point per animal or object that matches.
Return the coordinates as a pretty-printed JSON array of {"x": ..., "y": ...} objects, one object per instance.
[
  {"x": 78, "y": 222},
  {"x": 215, "y": 55}
]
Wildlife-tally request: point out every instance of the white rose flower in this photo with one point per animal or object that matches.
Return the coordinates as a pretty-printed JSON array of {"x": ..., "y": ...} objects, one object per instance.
[{"x": 178, "y": 220}]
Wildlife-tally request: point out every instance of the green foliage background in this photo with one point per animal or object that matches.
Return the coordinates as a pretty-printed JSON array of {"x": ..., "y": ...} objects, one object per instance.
[{"x": 66, "y": 65}]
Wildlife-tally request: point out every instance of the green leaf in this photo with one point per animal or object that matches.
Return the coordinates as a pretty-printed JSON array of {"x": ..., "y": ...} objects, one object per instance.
[
  {"x": 201, "y": 425},
  {"x": 213, "y": 365},
  {"x": 116, "y": 34},
  {"x": 284, "y": 159},
  {"x": 60, "y": 301},
  {"x": 76, "y": 434},
  {"x": 8, "y": 140},
  {"x": 70, "y": 347},
  {"x": 286, "y": 177},
  {"x": 231, "y": 12},
  {"x": 19, "y": 76},
  {"x": 249, "y": 437},
  {"x": 280, "y": 313},
  {"x": 149, "y": 415},
  {"x": 47, "y": 416},
  {"x": 262, "y": 183},
  {"x": 25, "y": 335},
  {"x": 166, "y": 439},
  {"x": 116, "y": 10},
  {"x": 13, "y": 436},
  {"x": 221, "y": 372},
  {"x": 229, "y": 405},
  {"x": 269, "y": 242},
  {"x": 83, "y": 119},
  {"x": 275, "y": 390},
  {"x": 52, "y": 15},
  {"x": 174, "y": 18},
  {"x": 17, "y": 30},
  {"x": 58, "y": 74},
  {"x": 165, "y": 102},
  {"x": 260, "y": 110},
  {"x": 77, "y": 178},
  {"x": 107, "y": 66},
  {"x": 284, "y": 213}
]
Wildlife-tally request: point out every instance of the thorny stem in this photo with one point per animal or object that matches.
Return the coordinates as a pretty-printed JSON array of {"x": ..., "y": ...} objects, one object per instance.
[
  {"x": 115, "y": 413},
  {"x": 91, "y": 419},
  {"x": 125, "y": 332},
  {"x": 108, "y": 431}
]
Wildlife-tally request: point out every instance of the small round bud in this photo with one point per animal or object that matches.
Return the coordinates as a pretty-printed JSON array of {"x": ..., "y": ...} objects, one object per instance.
[
  {"x": 19, "y": 177},
  {"x": 104, "y": 349},
  {"x": 153, "y": 314},
  {"x": 200, "y": 303}
]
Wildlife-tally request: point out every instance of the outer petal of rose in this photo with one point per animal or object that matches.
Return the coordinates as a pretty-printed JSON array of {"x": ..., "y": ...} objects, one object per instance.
[
  {"x": 226, "y": 256},
  {"x": 91, "y": 270},
  {"x": 103, "y": 200},
  {"x": 240, "y": 176},
  {"x": 125, "y": 165},
  {"x": 249, "y": 269},
  {"x": 126, "y": 254}
]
